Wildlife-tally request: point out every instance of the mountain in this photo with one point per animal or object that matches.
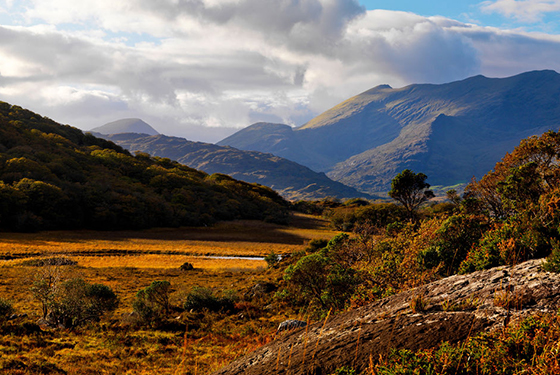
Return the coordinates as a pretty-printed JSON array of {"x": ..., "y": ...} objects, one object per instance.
[
  {"x": 54, "y": 176},
  {"x": 293, "y": 181},
  {"x": 451, "y": 132},
  {"x": 127, "y": 125}
]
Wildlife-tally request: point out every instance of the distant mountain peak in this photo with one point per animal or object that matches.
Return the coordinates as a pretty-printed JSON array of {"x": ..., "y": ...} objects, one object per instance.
[
  {"x": 126, "y": 125},
  {"x": 451, "y": 131}
]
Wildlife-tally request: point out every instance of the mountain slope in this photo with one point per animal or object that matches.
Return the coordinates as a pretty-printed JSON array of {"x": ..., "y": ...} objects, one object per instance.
[
  {"x": 291, "y": 180},
  {"x": 451, "y": 132},
  {"x": 54, "y": 177},
  {"x": 127, "y": 125}
]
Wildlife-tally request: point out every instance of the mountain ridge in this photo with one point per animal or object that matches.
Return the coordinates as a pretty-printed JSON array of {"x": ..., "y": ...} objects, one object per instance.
[
  {"x": 292, "y": 180},
  {"x": 369, "y": 138}
]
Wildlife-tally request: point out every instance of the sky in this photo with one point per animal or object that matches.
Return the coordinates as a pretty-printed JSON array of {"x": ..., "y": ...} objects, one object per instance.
[{"x": 203, "y": 69}]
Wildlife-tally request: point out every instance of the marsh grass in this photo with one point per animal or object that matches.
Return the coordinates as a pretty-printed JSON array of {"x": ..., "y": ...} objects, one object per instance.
[{"x": 128, "y": 262}]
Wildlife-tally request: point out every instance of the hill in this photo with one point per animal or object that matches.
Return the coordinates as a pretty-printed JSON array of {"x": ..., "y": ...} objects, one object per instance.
[
  {"x": 451, "y": 132},
  {"x": 293, "y": 181},
  {"x": 54, "y": 176},
  {"x": 127, "y": 125}
]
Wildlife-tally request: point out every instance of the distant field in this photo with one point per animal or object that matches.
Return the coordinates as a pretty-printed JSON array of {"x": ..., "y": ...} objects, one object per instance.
[
  {"x": 130, "y": 260},
  {"x": 239, "y": 238}
]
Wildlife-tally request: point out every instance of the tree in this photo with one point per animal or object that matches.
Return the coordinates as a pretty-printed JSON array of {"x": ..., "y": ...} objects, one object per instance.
[{"x": 411, "y": 190}]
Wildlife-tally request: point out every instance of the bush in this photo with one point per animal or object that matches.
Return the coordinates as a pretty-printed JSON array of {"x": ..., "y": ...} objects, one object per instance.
[
  {"x": 272, "y": 259},
  {"x": 152, "y": 303},
  {"x": 552, "y": 263},
  {"x": 186, "y": 267},
  {"x": 315, "y": 245},
  {"x": 325, "y": 277},
  {"x": 201, "y": 298},
  {"x": 6, "y": 309},
  {"x": 78, "y": 302},
  {"x": 453, "y": 240}
]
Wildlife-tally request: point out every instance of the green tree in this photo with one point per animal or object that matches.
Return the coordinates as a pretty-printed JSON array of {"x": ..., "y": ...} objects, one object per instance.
[
  {"x": 325, "y": 277},
  {"x": 411, "y": 190}
]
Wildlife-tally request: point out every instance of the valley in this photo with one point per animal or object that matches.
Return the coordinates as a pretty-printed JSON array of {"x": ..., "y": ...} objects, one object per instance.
[{"x": 132, "y": 263}]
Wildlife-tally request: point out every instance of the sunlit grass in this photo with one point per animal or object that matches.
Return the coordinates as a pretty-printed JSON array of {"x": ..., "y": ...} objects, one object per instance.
[
  {"x": 168, "y": 261},
  {"x": 128, "y": 261},
  {"x": 239, "y": 238}
]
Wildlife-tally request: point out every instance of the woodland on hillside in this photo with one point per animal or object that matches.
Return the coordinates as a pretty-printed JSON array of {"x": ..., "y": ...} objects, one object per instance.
[{"x": 56, "y": 177}]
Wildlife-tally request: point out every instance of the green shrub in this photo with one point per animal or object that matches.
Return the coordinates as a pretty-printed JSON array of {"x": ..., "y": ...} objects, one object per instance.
[
  {"x": 6, "y": 309},
  {"x": 325, "y": 277},
  {"x": 272, "y": 259},
  {"x": 453, "y": 241},
  {"x": 315, "y": 245},
  {"x": 552, "y": 263},
  {"x": 201, "y": 298},
  {"x": 152, "y": 303}
]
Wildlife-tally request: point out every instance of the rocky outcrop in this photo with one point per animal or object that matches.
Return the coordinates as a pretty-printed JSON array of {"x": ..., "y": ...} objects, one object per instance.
[{"x": 450, "y": 309}]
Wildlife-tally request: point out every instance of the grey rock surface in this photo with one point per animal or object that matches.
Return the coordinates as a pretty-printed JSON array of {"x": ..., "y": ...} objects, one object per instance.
[{"x": 457, "y": 307}]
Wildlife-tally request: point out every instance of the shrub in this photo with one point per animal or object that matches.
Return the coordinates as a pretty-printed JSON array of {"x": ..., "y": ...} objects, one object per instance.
[
  {"x": 201, "y": 298},
  {"x": 77, "y": 302},
  {"x": 453, "y": 240},
  {"x": 152, "y": 303},
  {"x": 272, "y": 259},
  {"x": 186, "y": 267},
  {"x": 6, "y": 309},
  {"x": 315, "y": 245},
  {"x": 325, "y": 277},
  {"x": 552, "y": 263}
]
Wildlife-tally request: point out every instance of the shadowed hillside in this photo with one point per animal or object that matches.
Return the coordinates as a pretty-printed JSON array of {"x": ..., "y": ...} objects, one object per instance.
[
  {"x": 53, "y": 176},
  {"x": 293, "y": 181}
]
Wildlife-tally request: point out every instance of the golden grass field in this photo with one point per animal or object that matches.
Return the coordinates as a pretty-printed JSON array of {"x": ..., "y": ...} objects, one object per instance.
[
  {"x": 238, "y": 238},
  {"x": 128, "y": 261}
]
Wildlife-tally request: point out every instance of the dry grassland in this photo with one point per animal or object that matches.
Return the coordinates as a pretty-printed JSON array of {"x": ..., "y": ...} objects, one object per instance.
[
  {"x": 129, "y": 261},
  {"x": 239, "y": 238}
]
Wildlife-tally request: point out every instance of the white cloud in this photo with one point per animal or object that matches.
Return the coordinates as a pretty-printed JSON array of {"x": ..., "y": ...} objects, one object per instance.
[
  {"x": 186, "y": 65},
  {"x": 523, "y": 10}
]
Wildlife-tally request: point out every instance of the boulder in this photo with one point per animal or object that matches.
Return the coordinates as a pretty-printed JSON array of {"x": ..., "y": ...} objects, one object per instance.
[{"x": 456, "y": 308}]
